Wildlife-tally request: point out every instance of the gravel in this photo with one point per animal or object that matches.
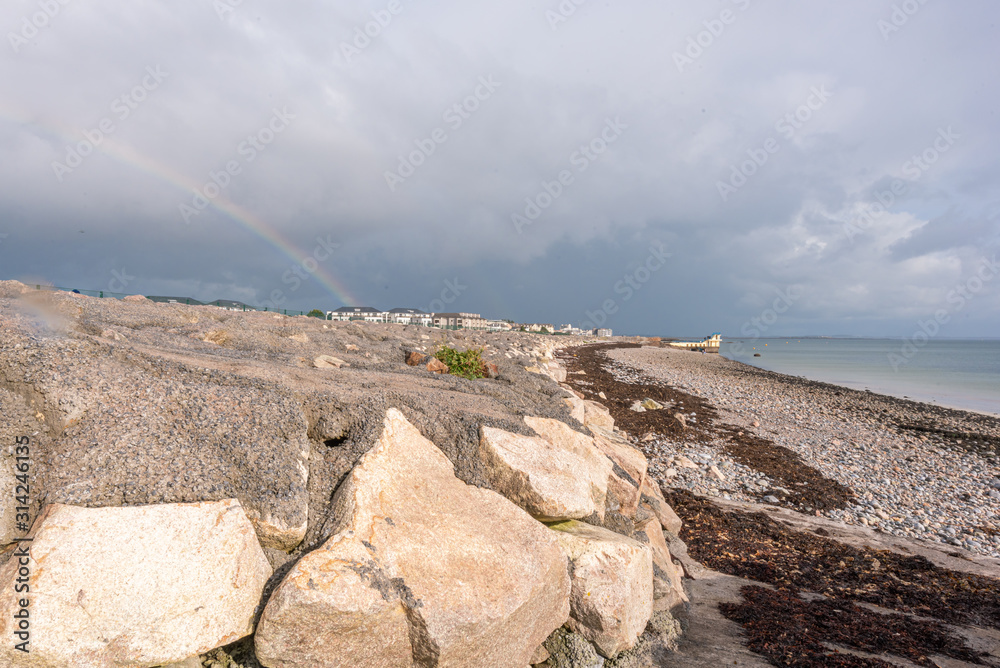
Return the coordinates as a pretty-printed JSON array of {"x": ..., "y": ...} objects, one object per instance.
[{"x": 937, "y": 481}]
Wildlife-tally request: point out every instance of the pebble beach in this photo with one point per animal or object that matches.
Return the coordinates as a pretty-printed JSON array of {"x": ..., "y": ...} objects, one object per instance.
[{"x": 916, "y": 470}]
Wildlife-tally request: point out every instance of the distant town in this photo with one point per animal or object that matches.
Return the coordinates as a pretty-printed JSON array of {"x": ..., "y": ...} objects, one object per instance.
[{"x": 406, "y": 316}]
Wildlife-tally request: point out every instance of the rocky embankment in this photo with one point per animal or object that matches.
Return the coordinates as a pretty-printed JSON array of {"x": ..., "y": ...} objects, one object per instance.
[{"x": 188, "y": 486}]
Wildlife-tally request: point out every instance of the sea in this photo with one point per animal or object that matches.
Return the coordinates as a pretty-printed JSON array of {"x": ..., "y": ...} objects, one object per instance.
[{"x": 957, "y": 373}]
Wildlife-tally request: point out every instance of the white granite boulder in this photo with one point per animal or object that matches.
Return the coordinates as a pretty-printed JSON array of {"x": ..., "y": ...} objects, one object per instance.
[
  {"x": 422, "y": 570},
  {"x": 133, "y": 586},
  {"x": 652, "y": 499},
  {"x": 552, "y": 481},
  {"x": 629, "y": 473},
  {"x": 597, "y": 415},
  {"x": 668, "y": 590},
  {"x": 612, "y": 578}
]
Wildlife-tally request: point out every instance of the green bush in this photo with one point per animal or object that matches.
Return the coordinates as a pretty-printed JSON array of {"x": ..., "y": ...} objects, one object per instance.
[
  {"x": 469, "y": 364},
  {"x": 316, "y": 313}
]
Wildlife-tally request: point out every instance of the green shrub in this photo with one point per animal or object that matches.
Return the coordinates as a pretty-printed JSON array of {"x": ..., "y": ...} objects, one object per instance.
[
  {"x": 316, "y": 313},
  {"x": 469, "y": 364}
]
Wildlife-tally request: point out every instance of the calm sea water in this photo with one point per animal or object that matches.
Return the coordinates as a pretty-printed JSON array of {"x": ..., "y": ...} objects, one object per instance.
[{"x": 957, "y": 373}]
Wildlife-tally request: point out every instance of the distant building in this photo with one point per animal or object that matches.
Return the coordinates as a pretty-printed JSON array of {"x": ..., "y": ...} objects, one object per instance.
[
  {"x": 410, "y": 316},
  {"x": 498, "y": 325},
  {"x": 710, "y": 344},
  {"x": 364, "y": 313},
  {"x": 460, "y": 321},
  {"x": 175, "y": 300},
  {"x": 230, "y": 305},
  {"x": 601, "y": 331}
]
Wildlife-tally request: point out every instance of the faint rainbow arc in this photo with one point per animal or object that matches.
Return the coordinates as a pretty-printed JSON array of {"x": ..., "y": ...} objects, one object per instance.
[{"x": 132, "y": 158}]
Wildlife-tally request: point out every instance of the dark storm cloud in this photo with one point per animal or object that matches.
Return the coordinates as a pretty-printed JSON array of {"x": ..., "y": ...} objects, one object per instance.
[{"x": 534, "y": 151}]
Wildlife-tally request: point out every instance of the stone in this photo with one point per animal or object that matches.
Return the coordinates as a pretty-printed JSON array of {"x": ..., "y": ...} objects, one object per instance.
[
  {"x": 602, "y": 396},
  {"x": 422, "y": 569},
  {"x": 714, "y": 470},
  {"x": 492, "y": 370},
  {"x": 434, "y": 365},
  {"x": 612, "y": 575},
  {"x": 301, "y": 337},
  {"x": 757, "y": 424},
  {"x": 774, "y": 500},
  {"x": 629, "y": 472},
  {"x": 651, "y": 405},
  {"x": 329, "y": 362},
  {"x": 597, "y": 415},
  {"x": 668, "y": 590},
  {"x": 219, "y": 337},
  {"x": 637, "y": 407},
  {"x": 134, "y": 298},
  {"x": 684, "y": 462},
  {"x": 134, "y": 586},
  {"x": 652, "y": 498},
  {"x": 556, "y": 372},
  {"x": 351, "y": 347},
  {"x": 577, "y": 408},
  {"x": 416, "y": 358},
  {"x": 192, "y": 662},
  {"x": 681, "y": 419},
  {"x": 541, "y": 655},
  {"x": 565, "y": 479},
  {"x": 12, "y": 289}
]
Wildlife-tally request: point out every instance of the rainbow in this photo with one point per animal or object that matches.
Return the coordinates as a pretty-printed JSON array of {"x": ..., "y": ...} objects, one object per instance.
[{"x": 130, "y": 157}]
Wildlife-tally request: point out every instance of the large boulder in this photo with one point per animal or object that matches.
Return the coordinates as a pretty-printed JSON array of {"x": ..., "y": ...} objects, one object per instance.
[
  {"x": 577, "y": 409},
  {"x": 652, "y": 499},
  {"x": 629, "y": 472},
  {"x": 567, "y": 479},
  {"x": 668, "y": 589},
  {"x": 612, "y": 577},
  {"x": 422, "y": 570},
  {"x": 137, "y": 586},
  {"x": 597, "y": 415}
]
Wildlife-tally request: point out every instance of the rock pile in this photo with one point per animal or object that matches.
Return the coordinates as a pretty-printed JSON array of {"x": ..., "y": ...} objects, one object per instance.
[{"x": 200, "y": 477}]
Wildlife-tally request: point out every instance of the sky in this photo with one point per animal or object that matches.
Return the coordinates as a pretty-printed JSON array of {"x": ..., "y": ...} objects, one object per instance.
[{"x": 660, "y": 168}]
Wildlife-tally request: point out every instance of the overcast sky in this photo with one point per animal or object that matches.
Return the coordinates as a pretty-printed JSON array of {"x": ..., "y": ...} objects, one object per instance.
[{"x": 664, "y": 167}]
